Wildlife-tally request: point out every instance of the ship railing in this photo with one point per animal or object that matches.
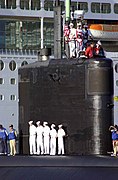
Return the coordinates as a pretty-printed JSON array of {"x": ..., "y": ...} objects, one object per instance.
[{"x": 18, "y": 52}]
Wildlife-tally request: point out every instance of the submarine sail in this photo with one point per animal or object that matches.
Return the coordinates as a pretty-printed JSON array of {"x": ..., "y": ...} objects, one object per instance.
[{"x": 77, "y": 94}]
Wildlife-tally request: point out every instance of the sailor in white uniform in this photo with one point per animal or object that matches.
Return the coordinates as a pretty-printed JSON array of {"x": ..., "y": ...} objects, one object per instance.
[
  {"x": 32, "y": 138},
  {"x": 39, "y": 131},
  {"x": 72, "y": 42},
  {"x": 61, "y": 133},
  {"x": 79, "y": 39},
  {"x": 53, "y": 136},
  {"x": 46, "y": 134}
]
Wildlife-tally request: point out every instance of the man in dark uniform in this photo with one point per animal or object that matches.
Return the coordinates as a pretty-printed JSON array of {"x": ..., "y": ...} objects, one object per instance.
[{"x": 86, "y": 35}]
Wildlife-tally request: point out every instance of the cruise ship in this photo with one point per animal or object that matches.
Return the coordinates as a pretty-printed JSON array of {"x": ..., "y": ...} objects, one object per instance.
[{"x": 26, "y": 26}]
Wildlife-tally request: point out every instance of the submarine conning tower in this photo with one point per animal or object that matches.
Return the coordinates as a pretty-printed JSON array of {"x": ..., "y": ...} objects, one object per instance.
[{"x": 75, "y": 93}]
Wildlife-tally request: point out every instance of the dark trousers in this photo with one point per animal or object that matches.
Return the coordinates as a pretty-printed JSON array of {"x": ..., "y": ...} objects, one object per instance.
[{"x": 5, "y": 146}]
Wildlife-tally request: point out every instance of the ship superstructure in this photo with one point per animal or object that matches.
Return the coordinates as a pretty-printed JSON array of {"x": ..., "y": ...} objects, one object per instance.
[{"x": 26, "y": 26}]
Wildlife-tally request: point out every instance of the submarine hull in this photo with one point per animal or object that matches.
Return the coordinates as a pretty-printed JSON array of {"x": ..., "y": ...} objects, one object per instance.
[{"x": 76, "y": 94}]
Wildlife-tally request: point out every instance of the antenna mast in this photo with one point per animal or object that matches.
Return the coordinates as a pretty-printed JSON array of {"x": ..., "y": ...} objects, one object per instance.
[{"x": 57, "y": 30}]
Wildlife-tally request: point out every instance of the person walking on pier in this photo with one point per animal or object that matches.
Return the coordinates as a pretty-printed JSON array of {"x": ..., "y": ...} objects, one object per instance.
[
  {"x": 61, "y": 133},
  {"x": 39, "y": 131},
  {"x": 32, "y": 138}
]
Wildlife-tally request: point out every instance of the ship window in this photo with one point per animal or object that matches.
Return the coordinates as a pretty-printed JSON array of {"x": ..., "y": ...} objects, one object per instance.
[
  {"x": 30, "y": 36},
  {"x": 116, "y": 8},
  {"x": 49, "y": 34},
  {"x": 35, "y": 4},
  {"x": 105, "y": 8},
  {"x": 12, "y": 97},
  {"x": 62, "y": 5},
  {"x": 24, "y": 63},
  {"x": 1, "y": 97},
  {"x": 2, "y": 3},
  {"x": 74, "y": 5},
  {"x": 116, "y": 68},
  {"x": 13, "y": 81},
  {"x": 12, "y": 65},
  {"x": 95, "y": 7},
  {"x": 48, "y": 5},
  {"x": 82, "y": 6},
  {"x": 24, "y": 4},
  {"x": 1, "y": 81},
  {"x": 11, "y": 4},
  {"x": 1, "y": 65}
]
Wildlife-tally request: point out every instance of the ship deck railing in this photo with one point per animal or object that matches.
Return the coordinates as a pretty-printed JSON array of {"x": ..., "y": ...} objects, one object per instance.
[{"x": 18, "y": 52}]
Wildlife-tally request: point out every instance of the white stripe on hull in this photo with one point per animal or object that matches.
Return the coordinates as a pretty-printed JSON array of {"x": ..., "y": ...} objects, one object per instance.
[{"x": 104, "y": 35}]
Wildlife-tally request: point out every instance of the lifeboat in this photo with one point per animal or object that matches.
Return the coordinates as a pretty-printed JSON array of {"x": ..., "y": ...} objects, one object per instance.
[{"x": 104, "y": 32}]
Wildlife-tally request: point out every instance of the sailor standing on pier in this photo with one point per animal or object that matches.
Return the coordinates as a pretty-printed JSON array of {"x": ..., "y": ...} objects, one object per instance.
[
  {"x": 61, "y": 133},
  {"x": 39, "y": 131},
  {"x": 32, "y": 138},
  {"x": 46, "y": 134},
  {"x": 53, "y": 136}
]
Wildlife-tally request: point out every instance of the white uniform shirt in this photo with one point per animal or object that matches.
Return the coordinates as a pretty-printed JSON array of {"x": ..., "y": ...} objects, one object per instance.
[
  {"x": 46, "y": 131},
  {"x": 53, "y": 133},
  {"x": 32, "y": 130},
  {"x": 61, "y": 133},
  {"x": 72, "y": 34},
  {"x": 39, "y": 130}
]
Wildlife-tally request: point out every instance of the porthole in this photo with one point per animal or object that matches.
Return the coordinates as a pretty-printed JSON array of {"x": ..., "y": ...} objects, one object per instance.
[
  {"x": 12, "y": 65},
  {"x": 116, "y": 68},
  {"x": 1, "y": 65},
  {"x": 24, "y": 63},
  {"x": 1, "y": 97},
  {"x": 116, "y": 82},
  {"x": 1, "y": 81},
  {"x": 13, "y": 81},
  {"x": 12, "y": 97}
]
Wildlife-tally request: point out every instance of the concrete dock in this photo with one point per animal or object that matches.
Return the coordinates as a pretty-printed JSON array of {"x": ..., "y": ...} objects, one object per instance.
[{"x": 58, "y": 167}]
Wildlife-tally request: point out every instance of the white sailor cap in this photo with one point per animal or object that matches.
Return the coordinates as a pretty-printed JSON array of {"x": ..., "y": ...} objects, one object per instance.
[
  {"x": 38, "y": 122},
  {"x": 60, "y": 125},
  {"x": 45, "y": 123},
  {"x": 71, "y": 24},
  {"x": 53, "y": 125},
  {"x": 30, "y": 122},
  {"x": 99, "y": 43}
]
